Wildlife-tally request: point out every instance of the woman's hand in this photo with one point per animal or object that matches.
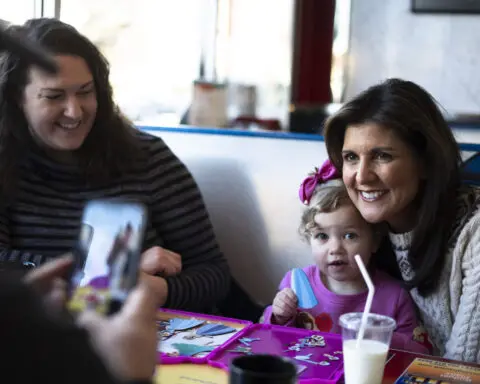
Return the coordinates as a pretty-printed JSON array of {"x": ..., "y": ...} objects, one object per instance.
[
  {"x": 157, "y": 263},
  {"x": 158, "y": 285},
  {"x": 127, "y": 341},
  {"x": 49, "y": 281},
  {"x": 161, "y": 261}
]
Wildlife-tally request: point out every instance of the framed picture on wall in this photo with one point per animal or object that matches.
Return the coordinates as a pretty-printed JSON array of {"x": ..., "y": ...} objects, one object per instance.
[{"x": 445, "y": 6}]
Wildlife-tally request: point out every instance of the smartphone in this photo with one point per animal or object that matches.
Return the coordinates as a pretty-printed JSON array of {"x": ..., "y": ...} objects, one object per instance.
[{"x": 107, "y": 255}]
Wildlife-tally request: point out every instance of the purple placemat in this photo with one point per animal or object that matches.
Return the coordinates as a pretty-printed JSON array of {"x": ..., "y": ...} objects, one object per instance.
[
  {"x": 191, "y": 345},
  {"x": 276, "y": 340}
]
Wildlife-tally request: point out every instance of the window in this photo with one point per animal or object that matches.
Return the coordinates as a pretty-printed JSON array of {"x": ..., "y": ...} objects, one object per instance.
[
  {"x": 256, "y": 49},
  {"x": 17, "y": 12},
  {"x": 340, "y": 49},
  {"x": 154, "y": 48}
]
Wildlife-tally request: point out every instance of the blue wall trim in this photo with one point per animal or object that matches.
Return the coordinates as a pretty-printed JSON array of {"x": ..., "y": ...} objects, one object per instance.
[
  {"x": 469, "y": 147},
  {"x": 235, "y": 132}
]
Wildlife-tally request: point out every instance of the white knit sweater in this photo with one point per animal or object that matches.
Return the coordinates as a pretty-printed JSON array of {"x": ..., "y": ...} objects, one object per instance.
[{"x": 451, "y": 314}]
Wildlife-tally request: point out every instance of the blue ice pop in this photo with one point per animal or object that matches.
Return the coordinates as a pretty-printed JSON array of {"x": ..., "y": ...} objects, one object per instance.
[{"x": 302, "y": 288}]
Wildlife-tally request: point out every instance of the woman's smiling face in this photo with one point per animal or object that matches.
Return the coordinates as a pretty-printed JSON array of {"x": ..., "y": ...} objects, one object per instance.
[{"x": 382, "y": 175}]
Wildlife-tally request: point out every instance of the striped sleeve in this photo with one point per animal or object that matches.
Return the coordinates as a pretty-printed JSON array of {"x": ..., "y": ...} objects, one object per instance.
[
  {"x": 7, "y": 254},
  {"x": 180, "y": 216}
]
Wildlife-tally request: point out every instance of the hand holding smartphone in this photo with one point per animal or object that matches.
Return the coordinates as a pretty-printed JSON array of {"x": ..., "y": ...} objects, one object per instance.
[{"x": 107, "y": 255}]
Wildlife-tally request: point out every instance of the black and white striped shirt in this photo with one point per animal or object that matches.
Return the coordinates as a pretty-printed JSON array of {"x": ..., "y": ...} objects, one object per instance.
[{"x": 44, "y": 220}]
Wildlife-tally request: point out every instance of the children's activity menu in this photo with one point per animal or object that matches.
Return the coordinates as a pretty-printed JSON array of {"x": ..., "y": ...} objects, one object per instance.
[{"x": 423, "y": 370}]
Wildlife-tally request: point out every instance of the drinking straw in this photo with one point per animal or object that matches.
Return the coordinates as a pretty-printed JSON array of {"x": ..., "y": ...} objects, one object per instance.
[{"x": 368, "y": 304}]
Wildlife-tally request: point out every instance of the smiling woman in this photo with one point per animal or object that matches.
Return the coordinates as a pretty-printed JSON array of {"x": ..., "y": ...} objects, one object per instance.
[
  {"x": 35, "y": 102},
  {"x": 379, "y": 167},
  {"x": 64, "y": 142},
  {"x": 60, "y": 110},
  {"x": 401, "y": 165}
]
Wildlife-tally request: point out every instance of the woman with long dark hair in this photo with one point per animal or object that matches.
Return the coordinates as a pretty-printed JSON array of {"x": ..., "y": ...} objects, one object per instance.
[{"x": 401, "y": 165}]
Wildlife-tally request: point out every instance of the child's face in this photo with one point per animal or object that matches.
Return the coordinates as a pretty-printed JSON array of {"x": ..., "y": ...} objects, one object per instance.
[{"x": 337, "y": 237}]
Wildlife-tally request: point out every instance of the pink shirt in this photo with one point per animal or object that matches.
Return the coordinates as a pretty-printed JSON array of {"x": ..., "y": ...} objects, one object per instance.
[{"x": 390, "y": 299}]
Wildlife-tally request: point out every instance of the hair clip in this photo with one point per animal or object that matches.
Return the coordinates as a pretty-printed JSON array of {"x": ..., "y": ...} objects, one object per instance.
[
  {"x": 295, "y": 348},
  {"x": 330, "y": 357},
  {"x": 316, "y": 341},
  {"x": 326, "y": 173},
  {"x": 248, "y": 340},
  {"x": 307, "y": 359},
  {"x": 241, "y": 349}
]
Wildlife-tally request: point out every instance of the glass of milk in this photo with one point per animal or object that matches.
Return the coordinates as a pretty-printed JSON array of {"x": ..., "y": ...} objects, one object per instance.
[{"x": 364, "y": 363}]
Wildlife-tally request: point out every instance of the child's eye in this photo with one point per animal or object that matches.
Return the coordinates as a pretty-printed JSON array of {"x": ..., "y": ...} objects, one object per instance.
[
  {"x": 320, "y": 236},
  {"x": 351, "y": 236}
]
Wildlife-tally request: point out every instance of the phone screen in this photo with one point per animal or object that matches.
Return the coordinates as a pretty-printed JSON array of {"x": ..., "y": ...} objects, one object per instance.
[{"x": 107, "y": 255}]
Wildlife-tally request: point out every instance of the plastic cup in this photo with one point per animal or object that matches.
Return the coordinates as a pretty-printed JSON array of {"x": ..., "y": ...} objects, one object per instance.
[
  {"x": 364, "y": 360},
  {"x": 262, "y": 369}
]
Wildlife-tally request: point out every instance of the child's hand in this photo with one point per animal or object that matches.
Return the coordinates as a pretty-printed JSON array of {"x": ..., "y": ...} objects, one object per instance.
[{"x": 284, "y": 306}]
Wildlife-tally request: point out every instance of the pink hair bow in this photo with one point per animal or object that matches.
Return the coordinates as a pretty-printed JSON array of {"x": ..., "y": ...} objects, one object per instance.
[{"x": 326, "y": 172}]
